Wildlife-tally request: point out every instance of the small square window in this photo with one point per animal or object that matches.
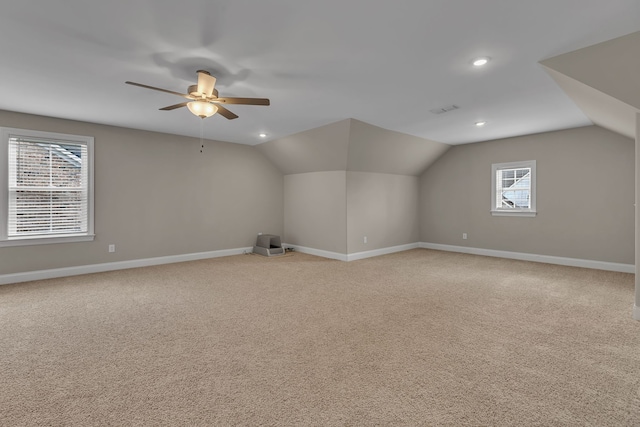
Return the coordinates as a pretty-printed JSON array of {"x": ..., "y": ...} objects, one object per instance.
[{"x": 513, "y": 188}]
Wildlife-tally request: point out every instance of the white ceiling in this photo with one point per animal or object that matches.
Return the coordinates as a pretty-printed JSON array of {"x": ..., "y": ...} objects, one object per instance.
[{"x": 382, "y": 62}]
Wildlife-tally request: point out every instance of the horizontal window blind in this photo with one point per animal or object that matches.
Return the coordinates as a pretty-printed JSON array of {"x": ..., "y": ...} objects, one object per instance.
[{"x": 48, "y": 187}]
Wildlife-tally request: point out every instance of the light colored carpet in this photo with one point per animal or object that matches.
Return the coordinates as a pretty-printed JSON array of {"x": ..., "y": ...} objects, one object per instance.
[{"x": 415, "y": 338}]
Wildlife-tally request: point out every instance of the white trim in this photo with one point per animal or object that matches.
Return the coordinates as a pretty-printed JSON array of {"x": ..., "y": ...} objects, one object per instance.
[
  {"x": 354, "y": 256},
  {"x": 317, "y": 252},
  {"x": 119, "y": 265},
  {"x": 571, "y": 262},
  {"x": 28, "y": 241},
  {"x": 4, "y": 184},
  {"x": 384, "y": 251},
  {"x": 514, "y": 213},
  {"x": 636, "y": 312}
]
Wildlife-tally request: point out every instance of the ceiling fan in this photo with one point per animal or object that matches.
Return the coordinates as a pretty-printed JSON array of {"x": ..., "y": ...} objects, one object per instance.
[{"x": 204, "y": 101}]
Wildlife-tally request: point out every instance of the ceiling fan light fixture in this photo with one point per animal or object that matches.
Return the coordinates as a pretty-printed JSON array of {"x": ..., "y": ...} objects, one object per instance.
[{"x": 202, "y": 109}]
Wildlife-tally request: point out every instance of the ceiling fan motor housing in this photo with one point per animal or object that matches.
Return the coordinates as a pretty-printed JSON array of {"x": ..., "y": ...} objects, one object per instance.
[{"x": 193, "y": 90}]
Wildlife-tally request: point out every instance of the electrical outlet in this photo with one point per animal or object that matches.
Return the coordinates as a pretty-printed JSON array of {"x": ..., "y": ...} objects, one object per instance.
[
  {"x": 259, "y": 234},
  {"x": 464, "y": 236},
  {"x": 112, "y": 248},
  {"x": 365, "y": 239}
]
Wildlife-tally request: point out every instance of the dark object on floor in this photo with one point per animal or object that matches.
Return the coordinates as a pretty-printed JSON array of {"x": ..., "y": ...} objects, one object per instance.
[{"x": 268, "y": 245}]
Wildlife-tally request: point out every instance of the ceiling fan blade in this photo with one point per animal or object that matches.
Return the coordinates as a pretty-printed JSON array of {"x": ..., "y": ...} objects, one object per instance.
[
  {"x": 246, "y": 101},
  {"x": 206, "y": 82},
  {"x": 226, "y": 113},
  {"x": 161, "y": 90},
  {"x": 173, "y": 107}
]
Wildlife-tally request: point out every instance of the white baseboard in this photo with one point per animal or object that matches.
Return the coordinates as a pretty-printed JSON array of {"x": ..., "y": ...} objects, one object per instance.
[
  {"x": 636, "y": 312},
  {"x": 354, "y": 256},
  {"x": 571, "y": 262},
  {"x": 317, "y": 252},
  {"x": 119, "y": 265},
  {"x": 384, "y": 251}
]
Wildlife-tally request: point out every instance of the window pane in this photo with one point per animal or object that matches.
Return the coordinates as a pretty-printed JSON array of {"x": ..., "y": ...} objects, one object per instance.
[
  {"x": 513, "y": 186},
  {"x": 31, "y": 165},
  {"x": 67, "y": 165},
  {"x": 44, "y": 212},
  {"x": 509, "y": 173},
  {"x": 518, "y": 198},
  {"x": 48, "y": 191},
  {"x": 506, "y": 183},
  {"x": 515, "y": 189}
]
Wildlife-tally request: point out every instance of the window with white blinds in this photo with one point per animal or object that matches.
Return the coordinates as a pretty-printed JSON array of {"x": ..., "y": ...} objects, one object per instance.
[
  {"x": 48, "y": 187},
  {"x": 513, "y": 188}
]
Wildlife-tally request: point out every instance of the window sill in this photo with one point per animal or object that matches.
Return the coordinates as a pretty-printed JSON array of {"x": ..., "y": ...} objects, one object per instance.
[
  {"x": 514, "y": 213},
  {"x": 28, "y": 241}
]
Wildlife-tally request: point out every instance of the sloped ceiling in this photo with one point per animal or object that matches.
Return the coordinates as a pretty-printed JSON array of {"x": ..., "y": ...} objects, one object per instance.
[
  {"x": 373, "y": 149},
  {"x": 352, "y": 145},
  {"x": 317, "y": 150},
  {"x": 604, "y": 81},
  {"x": 603, "y": 110}
]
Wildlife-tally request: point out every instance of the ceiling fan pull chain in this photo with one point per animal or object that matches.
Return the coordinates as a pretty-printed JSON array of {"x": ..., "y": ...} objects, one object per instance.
[{"x": 201, "y": 135}]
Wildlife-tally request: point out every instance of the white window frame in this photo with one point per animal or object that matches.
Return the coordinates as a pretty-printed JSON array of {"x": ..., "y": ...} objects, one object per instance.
[
  {"x": 531, "y": 212},
  {"x": 5, "y": 240}
]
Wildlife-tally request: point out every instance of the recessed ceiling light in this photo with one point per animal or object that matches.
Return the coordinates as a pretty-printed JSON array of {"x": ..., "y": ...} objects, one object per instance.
[
  {"x": 480, "y": 124},
  {"x": 263, "y": 135},
  {"x": 479, "y": 62}
]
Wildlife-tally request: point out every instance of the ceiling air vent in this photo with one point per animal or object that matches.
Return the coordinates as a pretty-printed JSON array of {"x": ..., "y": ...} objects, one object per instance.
[{"x": 444, "y": 109}]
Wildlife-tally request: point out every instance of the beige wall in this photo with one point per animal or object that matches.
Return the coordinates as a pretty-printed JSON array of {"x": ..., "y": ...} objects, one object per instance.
[
  {"x": 585, "y": 196},
  {"x": 315, "y": 210},
  {"x": 157, "y": 195},
  {"x": 382, "y": 207},
  {"x": 348, "y": 180},
  {"x": 333, "y": 211},
  {"x": 637, "y": 219}
]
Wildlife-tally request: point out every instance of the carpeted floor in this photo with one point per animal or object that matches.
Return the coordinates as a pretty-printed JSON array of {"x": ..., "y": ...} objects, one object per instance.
[{"x": 415, "y": 338}]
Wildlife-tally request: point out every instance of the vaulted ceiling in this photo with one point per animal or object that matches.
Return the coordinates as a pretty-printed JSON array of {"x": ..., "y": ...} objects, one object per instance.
[{"x": 384, "y": 63}]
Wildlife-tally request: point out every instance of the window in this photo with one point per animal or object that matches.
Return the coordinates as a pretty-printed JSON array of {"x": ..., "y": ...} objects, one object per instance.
[
  {"x": 46, "y": 185},
  {"x": 513, "y": 188}
]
